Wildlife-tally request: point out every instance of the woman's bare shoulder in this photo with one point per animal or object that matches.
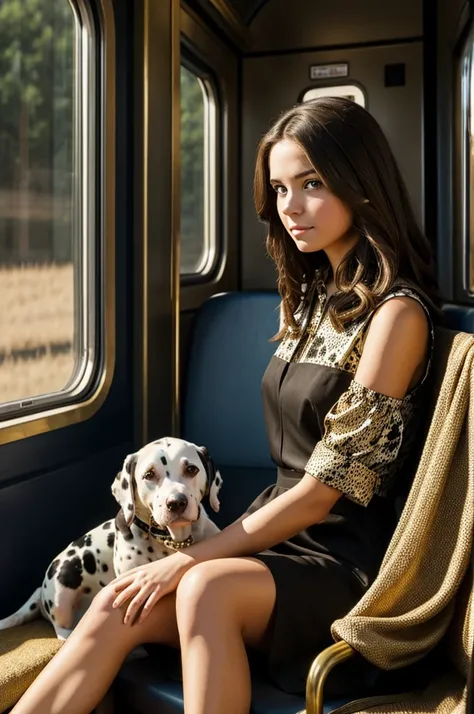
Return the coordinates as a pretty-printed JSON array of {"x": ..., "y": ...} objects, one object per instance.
[{"x": 395, "y": 346}]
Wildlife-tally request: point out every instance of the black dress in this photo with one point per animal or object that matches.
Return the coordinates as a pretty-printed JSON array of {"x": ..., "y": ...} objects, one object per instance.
[{"x": 321, "y": 421}]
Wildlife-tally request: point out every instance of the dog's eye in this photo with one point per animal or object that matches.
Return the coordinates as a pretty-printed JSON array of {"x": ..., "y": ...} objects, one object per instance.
[
  {"x": 149, "y": 474},
  {"x": 191, "y": 470}
]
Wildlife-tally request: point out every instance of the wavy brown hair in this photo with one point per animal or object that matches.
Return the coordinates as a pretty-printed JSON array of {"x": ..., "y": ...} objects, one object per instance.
[{"x": 349, "y": 151}]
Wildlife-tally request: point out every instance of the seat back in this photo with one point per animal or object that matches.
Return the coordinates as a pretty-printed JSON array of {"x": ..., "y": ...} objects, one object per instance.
[
  {"x": 228, "y": 353},
  {"x": 459, "y": 318}
]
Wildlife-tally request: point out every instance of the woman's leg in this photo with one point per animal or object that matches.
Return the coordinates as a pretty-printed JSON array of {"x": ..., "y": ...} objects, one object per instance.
[
  {"x": 80, "y": 674},
  {"x": 222, "y": 606}
]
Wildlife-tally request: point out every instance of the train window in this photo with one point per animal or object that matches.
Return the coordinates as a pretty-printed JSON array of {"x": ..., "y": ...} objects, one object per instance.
[
  {"x": 198, "y": 172},
  {"x": 351, "y": 91},
  {"x": 47, "y": 216}
]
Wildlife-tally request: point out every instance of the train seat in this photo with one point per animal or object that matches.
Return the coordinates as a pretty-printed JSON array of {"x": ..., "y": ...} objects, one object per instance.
[
  {"x": 141, "y": 690},
  {"x": 24, "y": 651},
  {"x": 459, "y": 317}
]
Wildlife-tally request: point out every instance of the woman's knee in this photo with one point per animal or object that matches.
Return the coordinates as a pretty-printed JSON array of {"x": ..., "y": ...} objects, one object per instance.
[
  {"x": 238, "y": 594},
  {"x": 211, "y": 591},
  {"x": 201, "y": 588},
  {"x": 203, "y": 580}
]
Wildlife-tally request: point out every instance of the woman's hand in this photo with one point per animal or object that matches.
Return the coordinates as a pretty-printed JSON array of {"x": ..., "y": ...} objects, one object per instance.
[{"x": 145, "y": 585}]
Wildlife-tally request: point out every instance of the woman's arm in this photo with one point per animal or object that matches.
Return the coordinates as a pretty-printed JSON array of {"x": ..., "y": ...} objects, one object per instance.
[{"x": 308, "y": 502}]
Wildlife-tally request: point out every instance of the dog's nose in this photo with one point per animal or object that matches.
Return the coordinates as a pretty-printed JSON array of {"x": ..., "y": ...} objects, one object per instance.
[{"x": 177, "y": 502}]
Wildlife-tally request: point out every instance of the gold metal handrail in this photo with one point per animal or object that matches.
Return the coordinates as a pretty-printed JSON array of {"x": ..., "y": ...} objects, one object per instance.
[{"x": 319, "y": 671}]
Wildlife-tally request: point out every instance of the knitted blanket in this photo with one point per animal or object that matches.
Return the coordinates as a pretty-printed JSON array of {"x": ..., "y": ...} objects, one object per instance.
[{"x": 423, "y": 592}]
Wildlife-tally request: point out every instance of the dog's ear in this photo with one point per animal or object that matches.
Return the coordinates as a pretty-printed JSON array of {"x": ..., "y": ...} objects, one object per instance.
[
  {"x": 123, "y": 488},
  {"x": 214, "y": 479}
]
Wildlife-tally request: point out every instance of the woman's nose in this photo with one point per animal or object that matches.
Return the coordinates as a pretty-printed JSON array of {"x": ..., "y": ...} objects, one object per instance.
[{"x": 292, "y": 205}]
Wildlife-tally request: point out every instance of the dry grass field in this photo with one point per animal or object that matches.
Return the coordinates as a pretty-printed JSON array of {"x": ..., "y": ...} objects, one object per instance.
[{"x": 36, "y": 315}]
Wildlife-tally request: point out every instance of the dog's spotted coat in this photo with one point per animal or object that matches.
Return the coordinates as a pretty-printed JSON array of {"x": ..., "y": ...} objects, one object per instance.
[{"x": 163, "y": 482}]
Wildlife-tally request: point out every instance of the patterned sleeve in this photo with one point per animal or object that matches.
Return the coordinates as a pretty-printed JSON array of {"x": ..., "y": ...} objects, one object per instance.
[{"x": 363, "y": 435}]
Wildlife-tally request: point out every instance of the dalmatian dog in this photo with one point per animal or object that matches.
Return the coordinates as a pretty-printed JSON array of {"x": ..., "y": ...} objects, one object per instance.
[{"x": 159, "y": 489}]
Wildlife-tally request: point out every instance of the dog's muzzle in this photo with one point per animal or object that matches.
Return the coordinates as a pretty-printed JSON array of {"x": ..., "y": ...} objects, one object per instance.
[{"x": 177, "y": 503}]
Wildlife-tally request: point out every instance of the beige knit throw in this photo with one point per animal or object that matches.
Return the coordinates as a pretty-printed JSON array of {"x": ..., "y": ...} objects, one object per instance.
[{"x": 410, "y": 606}]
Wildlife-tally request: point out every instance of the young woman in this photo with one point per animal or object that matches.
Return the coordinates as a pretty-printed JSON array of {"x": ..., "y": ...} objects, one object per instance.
[{"x": 342, "y": 400}]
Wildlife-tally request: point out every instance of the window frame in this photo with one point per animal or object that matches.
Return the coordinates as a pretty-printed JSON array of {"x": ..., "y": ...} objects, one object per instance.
[
  {"x": 95, "y": 99},
  {"x": 465, "y": 146},
  {"x": 213, "y": 213}
]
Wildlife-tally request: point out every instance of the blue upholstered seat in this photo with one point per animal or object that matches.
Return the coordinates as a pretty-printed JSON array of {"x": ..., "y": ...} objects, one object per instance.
[
  {"x": 459, "y": 317},
  {"x": 222, "y": 404},
  {"x": 222, "y": 409},
  {"x": 140, "y": 689}
]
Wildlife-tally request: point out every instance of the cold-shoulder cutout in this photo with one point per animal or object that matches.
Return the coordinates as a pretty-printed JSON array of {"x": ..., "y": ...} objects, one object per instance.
[{"x": 395, "y": 349}]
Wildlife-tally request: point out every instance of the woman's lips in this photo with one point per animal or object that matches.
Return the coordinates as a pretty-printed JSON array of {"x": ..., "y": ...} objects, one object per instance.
[{"x": 299, "y": 230}]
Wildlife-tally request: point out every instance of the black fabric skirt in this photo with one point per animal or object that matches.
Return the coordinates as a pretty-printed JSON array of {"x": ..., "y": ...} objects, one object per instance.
[{"x": 312, "y": 590}]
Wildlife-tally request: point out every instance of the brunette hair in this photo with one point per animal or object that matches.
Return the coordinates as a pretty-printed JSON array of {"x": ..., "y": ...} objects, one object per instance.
[{"x": 352, "y": 157}]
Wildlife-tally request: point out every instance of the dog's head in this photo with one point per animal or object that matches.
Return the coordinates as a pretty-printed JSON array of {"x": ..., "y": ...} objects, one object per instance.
[{"x": 167, "y": 479}]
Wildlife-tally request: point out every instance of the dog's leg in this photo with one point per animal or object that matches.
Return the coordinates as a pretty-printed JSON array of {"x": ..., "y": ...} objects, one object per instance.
[
  {"x": 61, "y": 633},
  {"x": 65, "y": 608}
]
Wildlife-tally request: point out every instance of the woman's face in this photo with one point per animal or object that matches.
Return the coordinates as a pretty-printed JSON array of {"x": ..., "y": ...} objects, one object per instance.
[{"x": 314, "y": 217}]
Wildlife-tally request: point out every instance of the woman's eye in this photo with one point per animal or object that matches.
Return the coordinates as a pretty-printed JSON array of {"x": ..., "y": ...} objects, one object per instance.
[
  {"x": 191, "y": 470},
  {"x": 314, "y": 183},
  {"x": 281, "y": 190},
  {"x": 149, "y": 474}
]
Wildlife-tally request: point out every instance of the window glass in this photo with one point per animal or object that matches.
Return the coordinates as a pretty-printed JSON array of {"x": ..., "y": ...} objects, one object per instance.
[
  {"x": 197, "y": 176},
  {"x": 44, "y": 338},
  {"x": 350, "y": 91}
]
